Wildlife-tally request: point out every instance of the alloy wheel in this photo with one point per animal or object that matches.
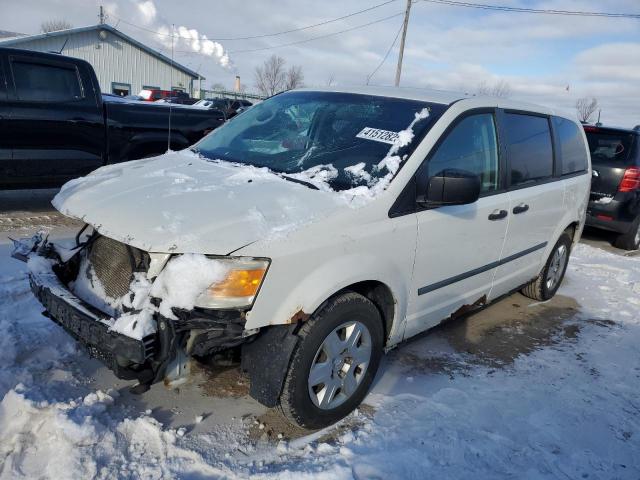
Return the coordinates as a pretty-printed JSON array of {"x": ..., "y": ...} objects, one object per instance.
[
  {"x": 339, "y": 365},
  {"x": 556, "y": 267}
]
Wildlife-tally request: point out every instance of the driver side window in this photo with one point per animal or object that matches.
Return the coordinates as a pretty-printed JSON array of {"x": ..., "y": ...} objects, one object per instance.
[{"x": 472, "y": 146}]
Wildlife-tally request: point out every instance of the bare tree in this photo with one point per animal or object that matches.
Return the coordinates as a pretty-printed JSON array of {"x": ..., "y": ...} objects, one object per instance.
[
  {"x": 217, "y": 87},
  {"x": 586, "y": 107},
  {"x": 499, "y": 89},
  {"x": 55, "y": 25},
  {"x": 331, "y": 80},
  {"x": 295, "y": 78},
  {"x": 271, "y": 76}
]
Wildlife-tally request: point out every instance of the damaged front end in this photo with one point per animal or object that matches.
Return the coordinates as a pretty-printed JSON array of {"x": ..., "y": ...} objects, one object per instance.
[{"x": 90, "y": 290}]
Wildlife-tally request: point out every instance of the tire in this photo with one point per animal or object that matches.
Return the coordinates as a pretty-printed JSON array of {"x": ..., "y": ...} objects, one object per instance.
[
  {"x": 340, "y": 384},
  {"x": 631, "y": 239},
  {"x": 550, "y": 278}
]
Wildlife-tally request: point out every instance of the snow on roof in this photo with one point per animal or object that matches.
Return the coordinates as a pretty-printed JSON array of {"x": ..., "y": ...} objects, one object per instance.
[{"x": 16, "y": 41}]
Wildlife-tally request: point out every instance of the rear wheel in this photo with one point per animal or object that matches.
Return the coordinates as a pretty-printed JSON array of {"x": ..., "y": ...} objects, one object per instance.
[
  {"x": 334, "y": 363},
  {"x": 548, "y": 281},
  {"x": 631, "y": 239}
]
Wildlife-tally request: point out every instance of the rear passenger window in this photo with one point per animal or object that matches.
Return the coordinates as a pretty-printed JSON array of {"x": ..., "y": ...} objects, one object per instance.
[
  {"x": 528, "y": 142},
  {"x": 45, "y": 83},
  {"x": 573, "y": 154},
  {"x": 470, "y": 146}
]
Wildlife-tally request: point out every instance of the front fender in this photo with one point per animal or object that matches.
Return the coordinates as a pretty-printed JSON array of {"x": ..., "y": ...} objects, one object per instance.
[{"x": 285, "y": 299}]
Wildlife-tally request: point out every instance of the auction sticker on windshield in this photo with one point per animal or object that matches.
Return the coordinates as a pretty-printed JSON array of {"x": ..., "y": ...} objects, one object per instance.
[{"x": 377, "y": 135}]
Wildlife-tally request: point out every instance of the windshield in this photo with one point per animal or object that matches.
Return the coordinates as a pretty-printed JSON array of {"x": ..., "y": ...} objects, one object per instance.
[
  {"x": 609, "y": 147},
  {"x": 346, "y": 139}
]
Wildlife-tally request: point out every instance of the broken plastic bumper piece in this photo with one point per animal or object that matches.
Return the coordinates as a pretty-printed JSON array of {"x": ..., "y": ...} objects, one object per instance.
[{"x": 118, "y": 352}]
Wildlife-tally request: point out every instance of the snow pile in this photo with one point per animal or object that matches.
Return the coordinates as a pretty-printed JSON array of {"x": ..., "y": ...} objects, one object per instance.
[
  {"x": 137, "y": 321},
  {"x": 243, "y": 174},
  {"x": 184, "y": 279},
  {"x": 358, "y": 172},
  {"x": 79, "y": 438},
  {"x": 38, "y": 264},
  {"x": 319, "y": 176},
  {"x": 405, "y": 137},
  {"x": 89, "y": 288},
  {"x": 178, "y": 286}
]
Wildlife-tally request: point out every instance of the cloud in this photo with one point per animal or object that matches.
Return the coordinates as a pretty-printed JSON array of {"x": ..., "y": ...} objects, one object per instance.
[
  {"x": 610, "y": 62},
  {"x": 148, "y": 11}
]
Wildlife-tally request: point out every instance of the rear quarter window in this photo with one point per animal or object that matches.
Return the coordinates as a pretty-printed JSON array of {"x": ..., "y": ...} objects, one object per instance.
[
  {"x": 45, "y": 83},
  {"x": 573, "y": 153},
  {"x": 529, "y": 147}
]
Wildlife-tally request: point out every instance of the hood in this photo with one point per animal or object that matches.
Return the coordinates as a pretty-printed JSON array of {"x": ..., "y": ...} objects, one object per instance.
[{"x": 180, "y": 202}]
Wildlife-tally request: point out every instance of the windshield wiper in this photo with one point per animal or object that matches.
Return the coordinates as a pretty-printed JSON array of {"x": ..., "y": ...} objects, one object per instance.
[{"x": 301, "y": 182}]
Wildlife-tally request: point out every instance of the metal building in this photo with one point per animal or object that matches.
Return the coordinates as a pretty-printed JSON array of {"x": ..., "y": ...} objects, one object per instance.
[{"x": 123, "y": 65}]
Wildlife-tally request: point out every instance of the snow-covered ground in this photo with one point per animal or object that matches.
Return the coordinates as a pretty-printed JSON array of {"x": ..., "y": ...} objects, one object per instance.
[{"x": 520, "y": 390}]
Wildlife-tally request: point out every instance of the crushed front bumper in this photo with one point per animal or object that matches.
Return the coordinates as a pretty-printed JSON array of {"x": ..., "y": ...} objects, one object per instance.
[
  {"x": 156, "y": 357},
  {"x": 90, "y": 328}
]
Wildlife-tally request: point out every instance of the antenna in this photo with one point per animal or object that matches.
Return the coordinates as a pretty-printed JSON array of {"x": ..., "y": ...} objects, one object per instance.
[
  {"x": 173, "y": 28},
  {"x": 63, "y": 45}
]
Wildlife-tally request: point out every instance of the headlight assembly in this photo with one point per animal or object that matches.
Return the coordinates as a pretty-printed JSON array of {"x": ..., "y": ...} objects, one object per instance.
[{"x": 239, "y": 287}]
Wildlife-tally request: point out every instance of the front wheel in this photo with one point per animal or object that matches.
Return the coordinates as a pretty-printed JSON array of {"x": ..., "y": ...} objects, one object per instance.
[
  {"x": 335, "y": 362},
  {"x": 548, "y": 281}
]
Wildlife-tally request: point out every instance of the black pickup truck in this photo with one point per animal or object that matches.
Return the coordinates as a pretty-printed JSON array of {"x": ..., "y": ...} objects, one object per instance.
[{"x": 56, "y": 125}]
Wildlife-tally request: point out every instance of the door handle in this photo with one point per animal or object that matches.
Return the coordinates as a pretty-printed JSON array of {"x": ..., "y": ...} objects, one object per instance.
[
  {"x": 520, "y": 208},
  {"x": 498, "y": 214}
]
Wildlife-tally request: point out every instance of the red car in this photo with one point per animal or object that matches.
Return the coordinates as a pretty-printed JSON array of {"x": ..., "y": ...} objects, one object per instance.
[{"x": 153, "y": 95}]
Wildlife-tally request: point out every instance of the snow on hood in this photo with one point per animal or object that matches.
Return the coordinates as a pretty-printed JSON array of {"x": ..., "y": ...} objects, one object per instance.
[{"x": 181, "y": 203}]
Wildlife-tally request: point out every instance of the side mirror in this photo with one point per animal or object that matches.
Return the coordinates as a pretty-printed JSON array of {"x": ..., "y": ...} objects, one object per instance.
[{"x": 451, "y": 187}]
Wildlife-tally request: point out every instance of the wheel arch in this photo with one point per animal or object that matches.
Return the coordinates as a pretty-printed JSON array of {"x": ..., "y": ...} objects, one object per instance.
[
  {"x": 574, "y": 231},
  {"x": 381, "y": 296},
  {"x": 285, "y": 299}
]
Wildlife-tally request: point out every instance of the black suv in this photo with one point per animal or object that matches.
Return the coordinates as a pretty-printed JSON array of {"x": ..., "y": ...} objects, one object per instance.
[{"x": 614, "y": 204}]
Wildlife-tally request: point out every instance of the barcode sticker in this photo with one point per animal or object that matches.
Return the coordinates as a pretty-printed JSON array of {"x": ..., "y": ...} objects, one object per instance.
[{"x": 377, "y": 135}]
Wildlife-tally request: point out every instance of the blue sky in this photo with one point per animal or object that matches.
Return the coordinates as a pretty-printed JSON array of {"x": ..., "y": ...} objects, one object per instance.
[{"x": 448, "y": 47}]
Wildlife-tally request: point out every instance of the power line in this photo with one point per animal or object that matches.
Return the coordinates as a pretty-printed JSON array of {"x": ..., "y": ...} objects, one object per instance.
[
  {"x": 395, "y": 39},
  {"x": 503, "y": 8},
  {"x": 380, "y": 20},
  {"x": 252, "y": 37},
  {"x": 317, "y": 37}
]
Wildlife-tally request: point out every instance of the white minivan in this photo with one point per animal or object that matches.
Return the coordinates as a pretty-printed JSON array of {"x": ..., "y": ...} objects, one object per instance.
[{"x": 312, "y": 233}]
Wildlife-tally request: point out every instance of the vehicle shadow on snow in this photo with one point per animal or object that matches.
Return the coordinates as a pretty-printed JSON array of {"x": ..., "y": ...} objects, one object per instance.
[{"x": 492, "y": 337}]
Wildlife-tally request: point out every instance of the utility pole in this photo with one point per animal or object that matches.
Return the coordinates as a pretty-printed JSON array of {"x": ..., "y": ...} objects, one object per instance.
[
  {"x": 404, "y": 35},
  {"x": 101, "y": 15}
]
